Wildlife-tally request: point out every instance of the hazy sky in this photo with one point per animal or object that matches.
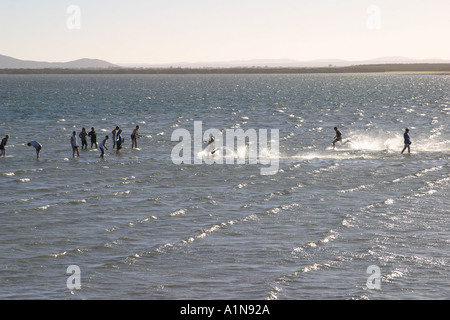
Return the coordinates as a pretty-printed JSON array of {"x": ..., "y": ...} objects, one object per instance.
[{"x": 165, "y": 31}]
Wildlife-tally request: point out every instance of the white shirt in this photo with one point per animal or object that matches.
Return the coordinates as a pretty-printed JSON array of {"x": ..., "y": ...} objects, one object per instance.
[{"x": 74, "y": 141}]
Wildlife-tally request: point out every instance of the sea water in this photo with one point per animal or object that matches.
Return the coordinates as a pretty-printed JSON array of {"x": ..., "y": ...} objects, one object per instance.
[{"x": 361, "y": 221}]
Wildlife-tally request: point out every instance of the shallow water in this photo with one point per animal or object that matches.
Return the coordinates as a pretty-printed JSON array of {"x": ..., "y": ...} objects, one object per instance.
[{"x": 139, "y": 226}]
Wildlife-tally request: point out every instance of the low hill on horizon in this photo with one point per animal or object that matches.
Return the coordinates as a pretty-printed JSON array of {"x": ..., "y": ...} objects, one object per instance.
[{"x": 85, "y": 63}]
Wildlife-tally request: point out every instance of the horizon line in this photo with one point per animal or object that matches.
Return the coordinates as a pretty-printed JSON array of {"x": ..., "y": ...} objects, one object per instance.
[{"x": 251, "y": 60}]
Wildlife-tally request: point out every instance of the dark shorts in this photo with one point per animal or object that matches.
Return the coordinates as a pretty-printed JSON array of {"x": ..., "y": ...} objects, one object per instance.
[
  {"x": 119, "y": 146},
  {"x": 133, "y": 137}
]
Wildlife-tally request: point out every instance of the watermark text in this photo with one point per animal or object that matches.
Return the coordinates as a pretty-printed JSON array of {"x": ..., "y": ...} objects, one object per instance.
[{"x": 241, "y": 147}]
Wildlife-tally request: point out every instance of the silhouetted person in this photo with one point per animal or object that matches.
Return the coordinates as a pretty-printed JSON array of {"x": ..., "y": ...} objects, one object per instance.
[
  {"x": 407, "y": 141},
  {"x": 93, "y": 136},
  {"x": 134, "y": 136},
  {"x": 119, "y": 140},
  {"x": 3, "y": 145},
  {"x": 338, "y": 137},
  {"x": 114, "y": 133},
  {"x": 83, "y": 134}
]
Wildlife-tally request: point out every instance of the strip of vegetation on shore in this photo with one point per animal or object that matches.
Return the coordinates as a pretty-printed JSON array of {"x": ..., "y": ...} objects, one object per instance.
[{"x": 435, "y": 68}]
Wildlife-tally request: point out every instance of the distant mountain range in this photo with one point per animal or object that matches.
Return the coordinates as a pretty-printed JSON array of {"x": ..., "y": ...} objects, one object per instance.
[{"x": 12, "y": 63}]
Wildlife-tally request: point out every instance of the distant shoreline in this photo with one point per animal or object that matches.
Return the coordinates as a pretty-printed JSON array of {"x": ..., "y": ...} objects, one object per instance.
[{"x": 414, "y": 68}]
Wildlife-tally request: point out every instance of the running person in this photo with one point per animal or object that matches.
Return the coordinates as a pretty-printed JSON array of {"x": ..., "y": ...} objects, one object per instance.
[
  {"x": 337, "y": 137},
  {"x": 37, "y": 146},
  {"x": 211, "y": 141},
  {"x": 407, "y": 141}
]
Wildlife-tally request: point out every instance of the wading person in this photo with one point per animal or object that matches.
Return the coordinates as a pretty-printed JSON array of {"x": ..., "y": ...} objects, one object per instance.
[
  {"x": 74, "y": 144},
  {"x": 36, "y": 145},
  {"x": 119, "y": 140},
  {"x": 83, "y": 134},
  {"x": 3, "y": 145},
  {"x": 103, "y": 146},
  {"x": 93, "y": 137},
  {"x": 114, "y": 138},
  {"x": 134, "y": 136}
]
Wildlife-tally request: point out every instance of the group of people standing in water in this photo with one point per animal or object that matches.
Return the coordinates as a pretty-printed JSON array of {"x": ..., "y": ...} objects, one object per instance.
[{"x": 117, "y": 139}]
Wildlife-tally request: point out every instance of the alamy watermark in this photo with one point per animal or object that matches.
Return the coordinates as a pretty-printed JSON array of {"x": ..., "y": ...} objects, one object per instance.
[
  {"x": 374, "y": 280},
  {"x": 241, "y": 147},
  {"x": 73, "y": 22},
  {"x": 74, "y": 280},
  {"x": 374, "y": 19}
]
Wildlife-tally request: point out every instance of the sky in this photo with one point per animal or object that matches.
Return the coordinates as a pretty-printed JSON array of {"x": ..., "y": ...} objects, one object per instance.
[{"x": 172, "y": 31}]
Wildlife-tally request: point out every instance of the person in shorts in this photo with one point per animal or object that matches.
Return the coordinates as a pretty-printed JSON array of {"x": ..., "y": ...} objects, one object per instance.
[
  {"x": 134, "y": 136},
  {"x": 83, "y": 134},
  {"x": 114, "y": 135},
  {"x": 93, "y": 137},
  {"x": 338, "y": 138},
  {"x": 74, "y": 144}
]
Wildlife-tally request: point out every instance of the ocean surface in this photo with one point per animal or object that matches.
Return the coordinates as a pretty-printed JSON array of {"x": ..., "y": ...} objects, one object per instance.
[{"x": 361, "y": 221}]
